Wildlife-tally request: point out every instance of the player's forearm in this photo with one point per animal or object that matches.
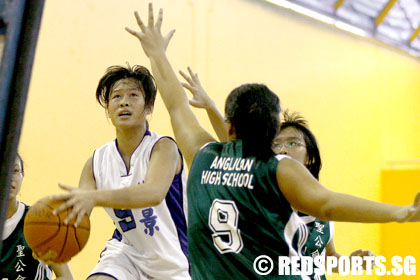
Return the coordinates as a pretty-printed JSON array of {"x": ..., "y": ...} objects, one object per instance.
[
  {"x": 348, "y": 208},
  {"x": 138, "y": 196},
  {"x": 170, "y": 88},
  {"x": 331, "y": 252},
  {"x": 218, "y": 122},
  {"x": 307, "y": 195},
  {"x": 189, "y": 135},
  {"x": 62, "y": 271}
]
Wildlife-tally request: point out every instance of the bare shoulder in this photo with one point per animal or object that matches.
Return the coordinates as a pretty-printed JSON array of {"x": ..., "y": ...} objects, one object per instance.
[
  {"x": 166, "y": 151},
  {"x": 89, "y": 161},
  {"x": 165, "y": 144},
  {"x": 285, "y": 165},
  {"x": 166, "y": 148},
  {"x": 87, "y": 178}
]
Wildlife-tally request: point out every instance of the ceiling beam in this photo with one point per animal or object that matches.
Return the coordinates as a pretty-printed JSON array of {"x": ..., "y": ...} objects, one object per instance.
[
  {"x": 385, "y": 11},
  {"x": 415, "y": 33},
  {"x": 338, "y": 3}
]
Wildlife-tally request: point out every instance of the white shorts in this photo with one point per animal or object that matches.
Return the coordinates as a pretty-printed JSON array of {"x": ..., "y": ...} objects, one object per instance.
[{"x": 119, "y": 261}]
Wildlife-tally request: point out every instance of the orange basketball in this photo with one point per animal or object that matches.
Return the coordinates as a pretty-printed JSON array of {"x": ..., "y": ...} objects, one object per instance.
[{"x": 46, "y": 232}]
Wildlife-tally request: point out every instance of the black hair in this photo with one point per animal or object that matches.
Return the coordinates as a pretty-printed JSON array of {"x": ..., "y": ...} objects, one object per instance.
[
  {"x": 253, "y": 110},
  {"x": 21, "y": 163},
  {"x": 296, "y": 121},
  {"x": 140, "y": 74}
]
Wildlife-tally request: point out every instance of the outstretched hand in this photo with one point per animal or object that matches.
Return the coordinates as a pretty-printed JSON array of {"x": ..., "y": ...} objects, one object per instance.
[
  {"x": 200, "y": 97},
  {"x": 150, "y": 36},
  {"x": 412, "y": 211},
  {"x": 81, "y": 201},
  {"x": 364, "y": 253}
]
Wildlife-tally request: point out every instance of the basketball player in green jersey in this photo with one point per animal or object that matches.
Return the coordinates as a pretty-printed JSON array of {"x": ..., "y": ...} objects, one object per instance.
[
  {"x": 297, "y": 141},
  {"x": 16, "y": 261},
  {"x": 241, "y": 195}
]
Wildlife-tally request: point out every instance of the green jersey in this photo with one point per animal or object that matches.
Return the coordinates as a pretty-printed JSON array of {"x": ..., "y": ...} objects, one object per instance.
[
  {"x": 238, "y": 213},
  {"x": 16, "y": 262},
  {"x": 313, "y": 236}
]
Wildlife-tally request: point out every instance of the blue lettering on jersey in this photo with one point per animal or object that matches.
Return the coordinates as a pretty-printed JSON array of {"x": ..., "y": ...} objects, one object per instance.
[
  {"x": 149, "y": 221},
  {"x": 128, "y": 221}
]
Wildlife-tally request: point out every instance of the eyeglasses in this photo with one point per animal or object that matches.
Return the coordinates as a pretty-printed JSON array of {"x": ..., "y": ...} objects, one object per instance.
[{"x": 288, "y": 145}]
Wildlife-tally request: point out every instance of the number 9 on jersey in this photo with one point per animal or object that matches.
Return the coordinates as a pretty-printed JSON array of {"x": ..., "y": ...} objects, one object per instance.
[{"x": 223, "y": 221}]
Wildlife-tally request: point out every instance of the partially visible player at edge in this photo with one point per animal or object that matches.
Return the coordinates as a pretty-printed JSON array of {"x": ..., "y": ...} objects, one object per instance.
[
  {"x": 296, "y": 140},
  {"x": 240, "y": 194},
  {"x": 140, "y": 180},
  {"x": 17, "y": 261}
]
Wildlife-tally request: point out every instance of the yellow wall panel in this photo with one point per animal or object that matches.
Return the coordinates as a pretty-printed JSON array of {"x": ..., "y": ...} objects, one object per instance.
[{"x": 398, "y": 187}]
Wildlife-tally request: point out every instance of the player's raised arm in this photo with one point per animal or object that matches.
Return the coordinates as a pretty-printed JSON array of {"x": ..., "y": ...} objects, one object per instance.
[
  {"x": 189, "y": 135},
  {"x": 202, "y": 100}
]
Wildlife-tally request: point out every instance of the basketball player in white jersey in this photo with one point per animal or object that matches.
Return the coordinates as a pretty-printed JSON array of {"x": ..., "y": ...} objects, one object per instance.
[{"x": 140, "y": 181}]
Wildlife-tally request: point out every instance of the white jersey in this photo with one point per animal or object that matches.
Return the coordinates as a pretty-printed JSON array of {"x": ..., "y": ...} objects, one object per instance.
[{"x": 158, "y": 233}]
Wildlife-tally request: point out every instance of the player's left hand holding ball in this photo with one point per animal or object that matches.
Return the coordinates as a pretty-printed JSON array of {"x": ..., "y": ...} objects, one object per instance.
[{"x": 81, "y": 201}]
